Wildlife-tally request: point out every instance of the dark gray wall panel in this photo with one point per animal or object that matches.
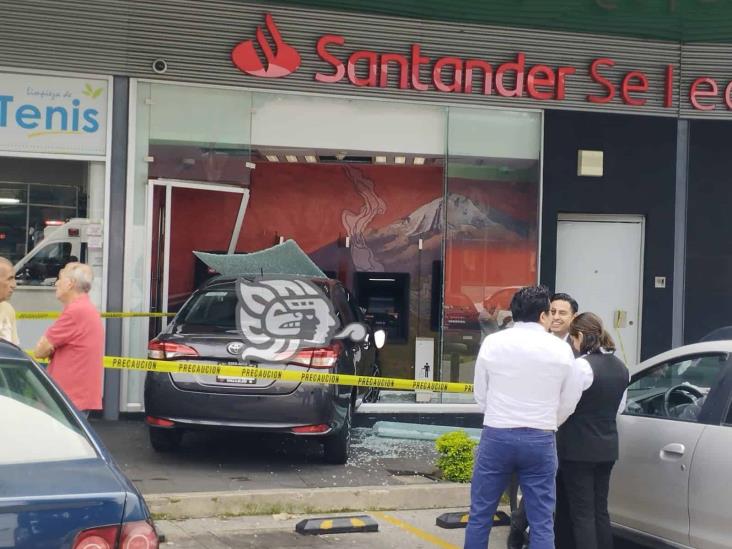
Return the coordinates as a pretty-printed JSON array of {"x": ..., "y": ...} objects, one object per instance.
[{"x": 639, "y": 178}]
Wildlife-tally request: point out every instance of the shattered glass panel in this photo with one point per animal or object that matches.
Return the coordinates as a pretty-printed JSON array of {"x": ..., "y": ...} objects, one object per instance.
[{"x": 286, "y": 258}]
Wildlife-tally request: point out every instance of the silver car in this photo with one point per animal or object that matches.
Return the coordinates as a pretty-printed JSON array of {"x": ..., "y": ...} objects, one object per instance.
[{"x": 672, "y": 486}]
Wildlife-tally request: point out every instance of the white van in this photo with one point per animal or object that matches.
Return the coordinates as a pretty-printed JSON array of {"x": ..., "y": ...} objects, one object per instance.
[{"x": 76, "y": 240}]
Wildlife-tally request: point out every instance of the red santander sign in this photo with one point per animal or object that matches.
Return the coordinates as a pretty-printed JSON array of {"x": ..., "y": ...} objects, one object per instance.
[{"x": 512, "y": 78}]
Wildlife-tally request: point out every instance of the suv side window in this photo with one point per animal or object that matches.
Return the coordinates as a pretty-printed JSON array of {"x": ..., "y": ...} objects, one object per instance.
[
  {"x": 342, "y": 307},
  {"x": 355, "y": 309},
  {"x": 675, "y": 390}
]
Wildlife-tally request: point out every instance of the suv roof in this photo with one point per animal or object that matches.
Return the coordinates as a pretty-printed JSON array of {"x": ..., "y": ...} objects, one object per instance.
[{"x": 223, "y": 280}]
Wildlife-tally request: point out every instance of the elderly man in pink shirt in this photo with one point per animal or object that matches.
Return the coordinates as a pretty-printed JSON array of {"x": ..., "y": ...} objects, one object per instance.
[{"x": 75, "y": 342}]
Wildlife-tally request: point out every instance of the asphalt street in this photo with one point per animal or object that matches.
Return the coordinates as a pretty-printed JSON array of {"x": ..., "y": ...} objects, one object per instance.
[{"x": 397, "y": 529}]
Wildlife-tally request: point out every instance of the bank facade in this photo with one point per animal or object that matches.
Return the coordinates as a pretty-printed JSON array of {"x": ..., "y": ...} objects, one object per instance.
[{"x": 432, "y": 167}]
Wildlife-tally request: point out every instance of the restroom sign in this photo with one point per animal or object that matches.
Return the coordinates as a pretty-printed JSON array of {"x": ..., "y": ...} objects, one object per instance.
[{"x": 53, "y": 115}]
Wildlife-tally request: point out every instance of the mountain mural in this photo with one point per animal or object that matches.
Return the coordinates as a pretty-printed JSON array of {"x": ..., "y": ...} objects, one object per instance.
[{"x": 466, "y": 220}]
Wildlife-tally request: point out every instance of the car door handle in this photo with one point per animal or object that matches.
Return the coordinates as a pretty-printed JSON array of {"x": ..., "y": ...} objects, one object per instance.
[{"x": 673, "y": 450}]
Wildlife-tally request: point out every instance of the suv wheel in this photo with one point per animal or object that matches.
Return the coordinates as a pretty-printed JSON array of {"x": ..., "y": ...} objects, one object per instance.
[
  {"x": 164, "y": 440},
  {"x": 337, "y": 447}
]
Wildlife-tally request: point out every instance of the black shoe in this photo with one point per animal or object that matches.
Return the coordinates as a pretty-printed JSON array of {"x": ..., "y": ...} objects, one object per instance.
[{"x": 516, "y": 538}]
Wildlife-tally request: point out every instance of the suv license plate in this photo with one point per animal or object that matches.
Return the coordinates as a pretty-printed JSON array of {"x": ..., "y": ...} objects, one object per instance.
[{"x": 237, "y": 380}]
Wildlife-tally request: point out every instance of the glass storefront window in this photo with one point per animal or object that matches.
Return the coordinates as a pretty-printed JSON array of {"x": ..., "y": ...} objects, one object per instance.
[
  {"x": 51, "y": 213},
  {"x": 491, "y": 238},
  {"x": 366, "y": 189}
]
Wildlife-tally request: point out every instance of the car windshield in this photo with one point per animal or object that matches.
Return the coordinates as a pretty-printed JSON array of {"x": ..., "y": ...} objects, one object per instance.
[{"x": 35, "y": 424}]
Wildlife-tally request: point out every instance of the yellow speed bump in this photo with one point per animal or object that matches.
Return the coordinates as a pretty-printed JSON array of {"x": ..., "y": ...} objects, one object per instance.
[
  {"x": 337, "y": 525},
  {"x": 460, "y": 520}
]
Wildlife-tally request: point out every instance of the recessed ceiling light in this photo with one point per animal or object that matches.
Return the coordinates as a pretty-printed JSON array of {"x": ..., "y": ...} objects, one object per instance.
[
  {"x": 310, "y": 158},
  {"x": 291, "y": 158},
  {"x": 9, "y": 201},
  {"x": 381, "y": 160},
  {"x": 272, "y": 158},
  {"x": 418, "y": 160},
  {"x": 400, "y": 159}
]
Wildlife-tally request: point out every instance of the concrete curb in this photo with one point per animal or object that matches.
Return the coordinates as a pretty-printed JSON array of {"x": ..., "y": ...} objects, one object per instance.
[{"x": 308, "y": 501}]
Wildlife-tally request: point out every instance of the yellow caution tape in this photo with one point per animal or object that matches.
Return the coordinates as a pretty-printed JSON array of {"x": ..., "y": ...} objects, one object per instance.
[
  {"x": 297, "y": 376},
  {"x": 229, "y": 370},
  {"x": 36, "y": 315}
]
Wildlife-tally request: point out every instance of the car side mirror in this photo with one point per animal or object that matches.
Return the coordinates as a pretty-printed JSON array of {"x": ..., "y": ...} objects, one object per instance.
[{"x": 379, "y": 338}]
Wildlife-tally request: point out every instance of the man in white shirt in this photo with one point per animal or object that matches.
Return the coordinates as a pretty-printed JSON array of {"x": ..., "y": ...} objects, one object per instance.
[
  {"x": 563, "y": 310},
  {"x": 520, "y": 385},
  {"x": 8, "y": 330}
]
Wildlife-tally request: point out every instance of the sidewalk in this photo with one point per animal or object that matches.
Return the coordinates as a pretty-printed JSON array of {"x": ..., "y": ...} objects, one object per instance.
[
  {"x": 218, "y": 461},
  {"x": 230, "y": 474}
]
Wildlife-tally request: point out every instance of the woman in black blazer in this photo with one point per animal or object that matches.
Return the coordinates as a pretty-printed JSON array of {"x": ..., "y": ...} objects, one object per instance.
[{"x": 587, "y": 443}]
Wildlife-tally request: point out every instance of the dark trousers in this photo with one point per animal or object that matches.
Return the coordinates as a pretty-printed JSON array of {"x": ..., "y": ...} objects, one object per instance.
[
  {"x": 563, "y": 537},
  {"x": 531, "y": 454},
  {"x": 586, "y": 486}
]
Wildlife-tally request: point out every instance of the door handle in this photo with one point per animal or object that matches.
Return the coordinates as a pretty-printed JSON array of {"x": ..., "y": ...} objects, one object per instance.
[{"x": 673, "y": 450}]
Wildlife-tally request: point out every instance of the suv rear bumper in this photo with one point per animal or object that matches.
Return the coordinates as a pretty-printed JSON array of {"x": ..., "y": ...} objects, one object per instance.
[{"x": 309, "y": 404}]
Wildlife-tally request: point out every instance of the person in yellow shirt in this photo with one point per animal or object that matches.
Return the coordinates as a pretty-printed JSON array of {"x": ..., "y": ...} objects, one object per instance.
[{"x": 8, "y": 329}]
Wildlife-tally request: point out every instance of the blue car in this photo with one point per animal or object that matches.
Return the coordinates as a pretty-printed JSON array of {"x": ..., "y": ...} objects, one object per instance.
[{"x": 59, "y": 487}]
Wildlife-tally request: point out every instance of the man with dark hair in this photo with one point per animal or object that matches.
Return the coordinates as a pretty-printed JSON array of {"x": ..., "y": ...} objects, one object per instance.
[
  {"x": 563, "y": 310},
  {"x": 520, "y": 385}
]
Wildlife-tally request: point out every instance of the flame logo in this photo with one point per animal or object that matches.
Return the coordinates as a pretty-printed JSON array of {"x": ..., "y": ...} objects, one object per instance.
[{"x": 281, "y": 61}]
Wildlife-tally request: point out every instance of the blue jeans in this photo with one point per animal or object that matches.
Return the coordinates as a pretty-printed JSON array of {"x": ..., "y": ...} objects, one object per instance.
[{"x": 533, "y": 455}]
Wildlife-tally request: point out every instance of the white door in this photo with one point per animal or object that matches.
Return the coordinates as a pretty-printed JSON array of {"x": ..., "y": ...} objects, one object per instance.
[
  {"x": 182, "y": 216},
  {"x": 600, "y": 264}
]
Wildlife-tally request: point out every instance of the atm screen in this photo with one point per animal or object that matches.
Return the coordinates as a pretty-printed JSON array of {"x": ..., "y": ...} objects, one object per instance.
[{"x": 383, "y": 305}]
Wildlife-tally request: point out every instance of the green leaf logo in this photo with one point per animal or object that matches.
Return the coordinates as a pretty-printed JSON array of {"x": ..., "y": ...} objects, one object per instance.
[{"x": 91, "y": 92}]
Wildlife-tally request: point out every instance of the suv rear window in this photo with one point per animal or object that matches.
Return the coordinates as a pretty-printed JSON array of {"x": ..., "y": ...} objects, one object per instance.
[
  {"x": 216, "y": 308},
  {"x": 36, "y": 420}
]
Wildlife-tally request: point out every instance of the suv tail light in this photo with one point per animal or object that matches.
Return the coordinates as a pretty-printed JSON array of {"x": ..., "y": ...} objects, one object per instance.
[
  {"x": 138, "y": 535},
  {"x": 311, "y": 429},
  {"x": 159, "y": 422},
  {"x": 162, "y": 350},
  {"x": 321, "y": 357}
]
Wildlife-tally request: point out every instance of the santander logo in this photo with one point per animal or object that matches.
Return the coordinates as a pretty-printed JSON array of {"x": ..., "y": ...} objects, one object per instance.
[{"x": 278, "y": 61}]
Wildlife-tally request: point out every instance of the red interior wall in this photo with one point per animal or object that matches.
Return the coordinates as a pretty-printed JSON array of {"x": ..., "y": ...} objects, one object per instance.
[
  {"x": 201, "y": 220},
  {"x": 305, "y": 202}
]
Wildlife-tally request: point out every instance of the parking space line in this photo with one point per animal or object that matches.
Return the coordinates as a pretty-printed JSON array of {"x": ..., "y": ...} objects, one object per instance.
[{"x": 426, "y": 536}]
